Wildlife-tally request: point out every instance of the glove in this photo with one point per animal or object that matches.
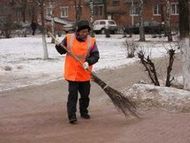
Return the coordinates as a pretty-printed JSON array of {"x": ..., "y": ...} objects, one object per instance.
[
  {"x": 59, "y": 49},
  {"x": 85, "y": 65}
]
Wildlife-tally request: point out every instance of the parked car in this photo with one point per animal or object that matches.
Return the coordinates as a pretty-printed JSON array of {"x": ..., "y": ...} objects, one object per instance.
[
  {"x": 99, "y": 26},
  {"x": 150, "y": 27}
]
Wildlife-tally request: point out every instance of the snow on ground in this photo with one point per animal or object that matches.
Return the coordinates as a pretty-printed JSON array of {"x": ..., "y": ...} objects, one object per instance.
[
  {"x": 170, "y": 99},
  {"x": 21, "y": 62}
]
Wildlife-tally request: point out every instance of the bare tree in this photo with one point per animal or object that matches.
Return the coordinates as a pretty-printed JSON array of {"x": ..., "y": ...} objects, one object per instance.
[
  {"x": 149, "y": 67},
  {"x": 141, "y": 17},
  {"x": 19, "y": 6},
  {"x": 7, "y": 24},
  {"x": 185, "y": 40},
  {"x": 166, "y": 17},
  {"x": 140, "y": 6},
  {"x": 91, "y": 6},
  {"x": 152, "y": 72},
  {"x": 105, "y": 8},
  {"x": 131, "y": 47},
  {"x": 41, "y": 4},
  {"x": 78, "y": 10},
  {"x": 33, "y": 11},
  {"x": 51, "y": 5},
  {"x": 171, "y": 53},
  {"x": 167, "y": 20},
  {"x": 23, "y": 9}
]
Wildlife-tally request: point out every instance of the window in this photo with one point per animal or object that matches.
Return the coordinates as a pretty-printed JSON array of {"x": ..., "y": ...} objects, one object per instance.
[
  {"x": 157, "y": 9},
  {"x": 134, "y": 11},
  {"x": 174, "y": 8},
  {"x": 49, "y": 12},
  {"x": 115, "y": 2},
  {"x": 64, "y": 11},
  {"x": 98, "y": 10},
  {"x": 102, "y": 22},
  {"x": 111, "y": 22}
]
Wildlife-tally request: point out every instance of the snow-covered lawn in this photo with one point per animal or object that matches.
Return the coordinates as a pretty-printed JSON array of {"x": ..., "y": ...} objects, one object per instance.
[
  {"x": 21, "y": 62},
  {"x": 167, "y": 98}
]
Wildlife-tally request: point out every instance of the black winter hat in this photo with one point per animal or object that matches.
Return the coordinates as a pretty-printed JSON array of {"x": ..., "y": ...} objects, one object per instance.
[{"x": 83, "y": 24}]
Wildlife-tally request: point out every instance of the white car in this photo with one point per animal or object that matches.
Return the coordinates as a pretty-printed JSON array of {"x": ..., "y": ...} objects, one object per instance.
[{"x": 99, "y": 26}]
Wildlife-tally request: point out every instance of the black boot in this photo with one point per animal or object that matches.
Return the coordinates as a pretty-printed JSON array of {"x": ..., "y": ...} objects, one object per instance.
[
  {"x": 73, "y": 119},
  {"x": 84, "y": 103},
  {"x": 85, "y": 116}
]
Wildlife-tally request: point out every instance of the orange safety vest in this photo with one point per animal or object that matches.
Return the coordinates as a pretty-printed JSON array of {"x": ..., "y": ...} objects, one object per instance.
[{"x": 74, "y": 71}]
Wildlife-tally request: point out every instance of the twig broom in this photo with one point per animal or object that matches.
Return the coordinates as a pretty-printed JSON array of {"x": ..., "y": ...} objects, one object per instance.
[{"x": 121, "y": 102}]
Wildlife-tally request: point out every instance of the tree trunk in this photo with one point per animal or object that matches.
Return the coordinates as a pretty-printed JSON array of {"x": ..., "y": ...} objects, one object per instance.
[
  {"x": 141, "y": 15},
  {"x": 78, "y": 10},
  {"x": 91, "y": 5},
  {"x": 185, "y": 40},
  {"x": 105, "y": 8},
  {"x": 165, "y": 18},
  {"x": 167, "y": 21},
  {"x": 171, "y": 53},
  {"x": 24, "y": 5},
  {"x": 52, "y": 23},
  {"x": 43, "y": 32},
  {"x": 33, "y": 13},
  {"x": 162, "y": 10},
  {"x": 53, "y": 29}
]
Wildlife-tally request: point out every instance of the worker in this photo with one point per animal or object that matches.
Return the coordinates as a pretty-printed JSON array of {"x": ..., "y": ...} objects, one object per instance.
[{"x": 78, "y": 75}]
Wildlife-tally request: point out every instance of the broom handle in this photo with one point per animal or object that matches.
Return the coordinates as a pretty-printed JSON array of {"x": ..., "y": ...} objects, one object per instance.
[{"x": 75, "y": 57}]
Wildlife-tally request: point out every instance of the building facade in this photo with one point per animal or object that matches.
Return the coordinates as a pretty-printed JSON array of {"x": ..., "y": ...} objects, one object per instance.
[{"x": 124, "y": 12}]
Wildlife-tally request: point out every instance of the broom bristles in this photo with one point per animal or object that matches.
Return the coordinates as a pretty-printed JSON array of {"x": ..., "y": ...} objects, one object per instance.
[{"x": 121, "y": 102}]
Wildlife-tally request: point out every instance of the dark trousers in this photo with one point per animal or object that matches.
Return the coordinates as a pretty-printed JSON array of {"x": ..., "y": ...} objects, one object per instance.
[{"x": 84, "y": 89}]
